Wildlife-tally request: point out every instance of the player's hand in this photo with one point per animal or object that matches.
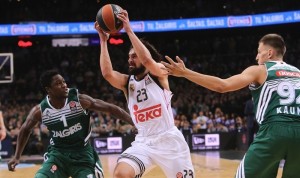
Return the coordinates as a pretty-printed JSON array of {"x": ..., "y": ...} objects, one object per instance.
[
  {"x": 123, "y": 16},
  {"x": 134, "y": 130},
  {"x": 103, "y": 36},
  {"x": 12, "y": 164},
  {"x": 174, "y": 68}
]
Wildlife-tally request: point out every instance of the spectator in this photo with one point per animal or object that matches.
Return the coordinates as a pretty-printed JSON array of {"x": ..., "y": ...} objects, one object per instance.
[
  {"x": 252, "y": 126},
  {"x": 35, "y": 144},
  {"x": 202, "y": 120},
  {"x": 186, "y": 128},
  {"x": 211, "y": 128},
  {"x": 240, "y": 125}
]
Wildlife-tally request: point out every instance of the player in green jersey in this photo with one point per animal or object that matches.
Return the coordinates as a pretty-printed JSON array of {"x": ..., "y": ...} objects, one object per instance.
[
  {"x": 275, "y": 88},
  {"x": 65, "y": 112}
]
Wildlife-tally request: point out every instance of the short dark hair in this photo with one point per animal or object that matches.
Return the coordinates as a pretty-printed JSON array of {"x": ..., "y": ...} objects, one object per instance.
[
  {"x": 46, "y": 78},
  {"x": 276, "y": 41},
  {"x": 153, "y": 51}
]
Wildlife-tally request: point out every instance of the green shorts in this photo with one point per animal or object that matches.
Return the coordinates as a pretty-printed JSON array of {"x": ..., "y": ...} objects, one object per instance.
[
  {"x": 75, "y": 164},
  {"x": 273, "y": 143}
]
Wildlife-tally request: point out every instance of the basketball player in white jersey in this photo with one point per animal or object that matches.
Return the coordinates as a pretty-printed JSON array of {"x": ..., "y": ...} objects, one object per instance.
[{"x": 146, "y": 88}]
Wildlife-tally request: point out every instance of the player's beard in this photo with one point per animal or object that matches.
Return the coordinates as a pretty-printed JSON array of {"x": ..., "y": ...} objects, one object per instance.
[{"x": 137, "y": 70}]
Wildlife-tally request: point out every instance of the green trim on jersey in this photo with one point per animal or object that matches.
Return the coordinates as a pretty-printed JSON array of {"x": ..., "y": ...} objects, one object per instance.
[
  {"x": 278, "y": 99},
  {"x": 69, "y": 126}
]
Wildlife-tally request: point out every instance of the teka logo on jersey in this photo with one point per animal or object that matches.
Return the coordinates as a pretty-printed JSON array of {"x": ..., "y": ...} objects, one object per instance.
[{"x": 145, "y": 114}]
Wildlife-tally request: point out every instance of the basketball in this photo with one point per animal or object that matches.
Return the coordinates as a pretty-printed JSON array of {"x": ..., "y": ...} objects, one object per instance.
[{"x": 107, "y": 18}]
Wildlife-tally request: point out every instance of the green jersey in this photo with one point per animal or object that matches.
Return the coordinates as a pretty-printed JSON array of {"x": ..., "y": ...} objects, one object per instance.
[
  {"x": 69, "y": 126},
  {"x": 278, "y": 98}
]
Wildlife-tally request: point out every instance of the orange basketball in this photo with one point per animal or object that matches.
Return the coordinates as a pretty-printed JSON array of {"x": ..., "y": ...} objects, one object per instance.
[{"x": 107, "y": 18}]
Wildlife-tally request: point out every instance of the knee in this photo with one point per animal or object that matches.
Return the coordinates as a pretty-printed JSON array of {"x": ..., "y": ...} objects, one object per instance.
[
  {"x": 40, "y": 175},
  {"x": 122, "y": 173}
]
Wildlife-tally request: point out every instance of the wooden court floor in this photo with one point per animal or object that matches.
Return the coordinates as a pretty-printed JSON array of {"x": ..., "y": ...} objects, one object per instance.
[{"x": 206, "y": 166}]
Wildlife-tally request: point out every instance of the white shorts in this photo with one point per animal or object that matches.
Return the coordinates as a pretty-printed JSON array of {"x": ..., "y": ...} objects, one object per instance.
[{"x": 168, "y": 150}]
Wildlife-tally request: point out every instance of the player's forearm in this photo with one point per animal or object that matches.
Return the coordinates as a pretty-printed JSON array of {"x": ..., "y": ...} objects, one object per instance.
[
  {"x": 207, "y": 81},
  {"x": 122, "y": 114},
  {"x": 100, "y": 105},
  {"x": 3, "y": 128},
  {"x": 105, "y": 63},
  {"x": 21, "y": 142},
  {"x": 140, "y": 49},
  {"x": 2, "y": 125}
]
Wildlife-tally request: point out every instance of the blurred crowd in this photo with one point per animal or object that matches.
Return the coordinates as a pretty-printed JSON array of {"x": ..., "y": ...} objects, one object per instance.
[{"x": 22, "y": 11}]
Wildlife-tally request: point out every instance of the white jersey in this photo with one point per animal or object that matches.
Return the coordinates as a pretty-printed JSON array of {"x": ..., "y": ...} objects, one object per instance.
[
  {"x": 149, "y": 106},
  {"x": 159, "y": 142}
]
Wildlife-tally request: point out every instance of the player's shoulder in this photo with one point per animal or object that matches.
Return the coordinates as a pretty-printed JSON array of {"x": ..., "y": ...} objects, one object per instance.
[
  {"x": 37, "y": 107},
  {"x": 82, "y": 96},
  {"x": 258, "y": 72},
  {"x": 36, "y": 111},
  {"x": 255, "y": 68},
  {"x": 85, "y": 100}
]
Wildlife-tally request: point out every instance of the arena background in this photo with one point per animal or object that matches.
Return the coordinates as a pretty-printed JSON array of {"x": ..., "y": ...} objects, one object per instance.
[{"x": 222, "y": 52}]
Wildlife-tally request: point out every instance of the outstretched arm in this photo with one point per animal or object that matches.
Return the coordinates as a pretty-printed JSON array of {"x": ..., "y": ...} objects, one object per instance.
[
  {"x": 251, "y": 74},
  {"x": 115, "y": 78},
  {"x": 33, "y": 118},
  {"x": 90, "y": 103}
]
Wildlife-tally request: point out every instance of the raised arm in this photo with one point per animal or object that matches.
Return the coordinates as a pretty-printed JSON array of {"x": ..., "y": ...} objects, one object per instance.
[
  {"x": 34, "y": 117},
  {"x": 256, "y": 74},
  {"x": 115, "y": 78},
  {"x": 140, "y": 49},
  {"x": 90, "y": 103}
]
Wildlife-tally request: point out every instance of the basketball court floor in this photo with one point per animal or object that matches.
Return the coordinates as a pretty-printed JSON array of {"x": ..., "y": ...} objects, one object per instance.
[{"x": 207, "y": 164}]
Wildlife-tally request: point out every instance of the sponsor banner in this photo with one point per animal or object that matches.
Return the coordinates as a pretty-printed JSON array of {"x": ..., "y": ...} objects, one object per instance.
[
  {"x": 34, "y": 28},
  {"x": 108, "y": 145},
  {"x": 205, "y": 141},
  {"x": 212, "y": 140},
  {"x": 114, "y": 143}
]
